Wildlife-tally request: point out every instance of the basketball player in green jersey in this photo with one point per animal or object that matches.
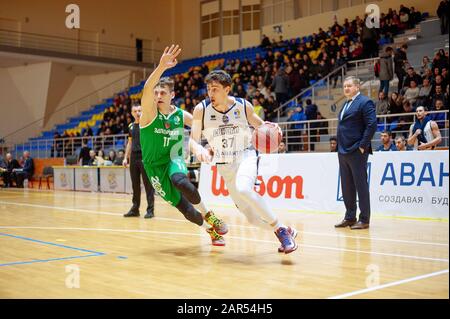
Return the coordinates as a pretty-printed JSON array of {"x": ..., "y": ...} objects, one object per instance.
[{"x": 162, "y": 138}]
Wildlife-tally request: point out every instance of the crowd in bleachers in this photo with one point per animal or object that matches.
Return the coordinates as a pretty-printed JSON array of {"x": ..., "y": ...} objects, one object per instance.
[
  {"x": 289, "y": 66},
  {"x": 428, "y": 86}
]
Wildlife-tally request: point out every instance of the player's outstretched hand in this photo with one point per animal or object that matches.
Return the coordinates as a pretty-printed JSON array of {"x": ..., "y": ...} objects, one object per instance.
[{"x": 169, "y": 58}]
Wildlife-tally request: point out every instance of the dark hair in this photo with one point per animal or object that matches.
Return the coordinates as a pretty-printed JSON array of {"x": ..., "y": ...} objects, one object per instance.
[
  {"x": 388, "y": 49},
  {"x": 405, "y": 46},
  {"x": 424, "y": 108},
  {"x": 218, "y": 76},
  {"x": 333, "y": 138},
  {"x": 166, "y": 81},
  {"x": 308, "y": 102},
  {"x": 386, "y": 132}
]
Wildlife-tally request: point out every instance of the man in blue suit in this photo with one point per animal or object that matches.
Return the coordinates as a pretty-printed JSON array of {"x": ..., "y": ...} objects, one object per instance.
[{"x": 356, "y": 127}]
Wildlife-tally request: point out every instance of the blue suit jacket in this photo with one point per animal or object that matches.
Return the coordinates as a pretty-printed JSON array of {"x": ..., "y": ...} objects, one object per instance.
[{"x": 358, "y": 126}]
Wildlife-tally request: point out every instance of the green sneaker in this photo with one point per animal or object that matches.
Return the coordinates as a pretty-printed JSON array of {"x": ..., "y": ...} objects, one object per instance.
[{"x": 219, "y": 226}]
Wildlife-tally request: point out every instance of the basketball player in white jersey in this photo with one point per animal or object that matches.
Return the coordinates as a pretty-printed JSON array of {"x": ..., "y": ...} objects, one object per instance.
[
  {"x": 424, "y": 133},
  {"x": 224, "y": 121}
]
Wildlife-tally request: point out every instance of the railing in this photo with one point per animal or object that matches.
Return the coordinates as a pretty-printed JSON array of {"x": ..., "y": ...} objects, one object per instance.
[
  {"x": 357, "y": 68},
  {"x": 75, "y": 46},
  {"x": 75, "y": 107},
  {"x": 307, "y": 139},
  {"x": 315, "y": 134}
]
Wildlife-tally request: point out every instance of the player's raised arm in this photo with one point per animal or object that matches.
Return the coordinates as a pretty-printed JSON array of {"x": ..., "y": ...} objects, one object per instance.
[{"x": 168, "y": 60}]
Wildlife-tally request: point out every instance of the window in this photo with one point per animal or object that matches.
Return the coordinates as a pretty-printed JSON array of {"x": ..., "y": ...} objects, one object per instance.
[
  {"x": 250, "y": 17},
  {"x": 230, "y": 22},
  {"x": 210, "y": 26},
  {"x": 276, "y": 11}
]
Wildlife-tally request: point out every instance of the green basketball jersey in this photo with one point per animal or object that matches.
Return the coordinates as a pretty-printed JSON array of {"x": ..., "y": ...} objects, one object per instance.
[{"x": 163, "y": 139}]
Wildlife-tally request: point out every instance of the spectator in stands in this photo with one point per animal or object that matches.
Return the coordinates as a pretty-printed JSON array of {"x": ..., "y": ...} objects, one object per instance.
[
  {"x": 295, "y": 84},
  {"x": 87, "y": 131},
  {"x": 424, "y": 133},
  {"x": 120, "y": 157},
  {"x": 282, "y": 148},
  {"x": 369, "y": 38},
  {"x": 386, "y": 140},
  {"x": 438, "y": 81},
  {"x": 333, "y": 144},
  {"x": 280, "y": 85},
  {"x": 10, "y": 165},
  {"x": 439, "y": 95},
  {"x": 3, "y": 169},
  {"x": 411, "y": 76},
  {"x": 400, "y": 62},
  {"x": 270, "y": 107},
  {"x": 297, "y": 129},
  {"x": 108, "y": 140},
  {"x": 405, "y": 120},
  {"x": 111, "y": 156},
  {"x": 401, "y": 145},
  {"x": 426, "y": 64},
  {"x": 265, "y": 43},
  {"x": 322, "y": 126},
  {"x": 83, "y": 158},
  {"x": 258, "y": 108},
  {"x": 442, "y": 12},
  {"x": 92, "y": 158},
  {"x": 311, "y": 110},
  {"x": 412, "y": 92},
  {"x": 386, "y": 70},
  {"x": 56, "y": 146},
  {"x": 382, "y": 104},
  {"x": 439, "y": 118},
  {"x": 26, "y": 172},
  {"x": 440, "y": 61},
  {"x": 424, "y": 93}
]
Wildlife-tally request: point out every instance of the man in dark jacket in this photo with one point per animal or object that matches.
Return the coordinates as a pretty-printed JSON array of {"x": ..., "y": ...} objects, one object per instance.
[
  {"x": 386, "y": 70},
  {"x": 7, "y": 171},
  {"x": 400, "y": 61},
  {"x": 26, "y": 172}
]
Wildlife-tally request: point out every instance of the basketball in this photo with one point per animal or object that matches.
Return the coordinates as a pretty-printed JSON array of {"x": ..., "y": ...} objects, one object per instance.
[{"x": 267, "y": 137}]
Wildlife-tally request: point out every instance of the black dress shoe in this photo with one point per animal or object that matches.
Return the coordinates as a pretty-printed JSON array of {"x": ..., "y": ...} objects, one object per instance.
[
  {"x": 149, "y": 215},
  {"x": 360, "y": 225},
  {"x": 345, "y": 223},
  {"x": 132, "y": 214}
]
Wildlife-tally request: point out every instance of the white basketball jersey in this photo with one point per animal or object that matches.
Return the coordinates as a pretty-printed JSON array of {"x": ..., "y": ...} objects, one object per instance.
[
  {"x": 427, "y": 132},
  {"x": 228, "y": 133}
]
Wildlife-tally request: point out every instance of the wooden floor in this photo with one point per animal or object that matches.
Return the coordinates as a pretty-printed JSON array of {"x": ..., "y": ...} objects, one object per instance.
[{"x": 56, "y": 244}]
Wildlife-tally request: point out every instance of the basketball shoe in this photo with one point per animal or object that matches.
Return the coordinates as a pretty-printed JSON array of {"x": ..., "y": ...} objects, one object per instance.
[
  {"x": 219, "y": 225},
  {"x": 286, "y": 236}
]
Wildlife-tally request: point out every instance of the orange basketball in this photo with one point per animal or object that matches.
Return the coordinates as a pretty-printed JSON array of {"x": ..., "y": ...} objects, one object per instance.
[{"x": 267, "y": 137}]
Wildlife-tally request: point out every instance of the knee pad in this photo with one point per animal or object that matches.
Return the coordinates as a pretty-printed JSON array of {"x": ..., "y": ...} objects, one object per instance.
[
  {"x": 184, "y": 185},
  {"x": 189, "y": 212}
]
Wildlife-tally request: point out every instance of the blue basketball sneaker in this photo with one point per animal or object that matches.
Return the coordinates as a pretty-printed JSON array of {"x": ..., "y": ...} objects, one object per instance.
[{"x": 286, "y": 238}]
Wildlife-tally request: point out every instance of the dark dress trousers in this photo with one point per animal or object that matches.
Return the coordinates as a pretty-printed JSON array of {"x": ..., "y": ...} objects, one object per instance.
[{"x": 356, "y": 128}]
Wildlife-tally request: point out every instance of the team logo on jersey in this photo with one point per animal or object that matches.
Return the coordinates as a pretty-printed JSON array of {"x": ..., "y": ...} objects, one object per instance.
[
  {"x": 176, "y": 120},
  {"x": 237, "y": 114},
  {"x": 213, "y": 117},
  {"x": 167, "y": 125},
  {"x": 160, "y": 117},
  {"x": 225, "y": 119}
]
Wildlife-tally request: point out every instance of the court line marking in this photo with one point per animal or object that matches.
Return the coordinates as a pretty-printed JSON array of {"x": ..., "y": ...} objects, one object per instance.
[
  {"x": 391, "y": 284},
  {"x": 231, "y": 237},
  {"x": 97, "y": 194},
  {"x": 231, "y": 225},
  {"x": 92, "y": 253}
]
